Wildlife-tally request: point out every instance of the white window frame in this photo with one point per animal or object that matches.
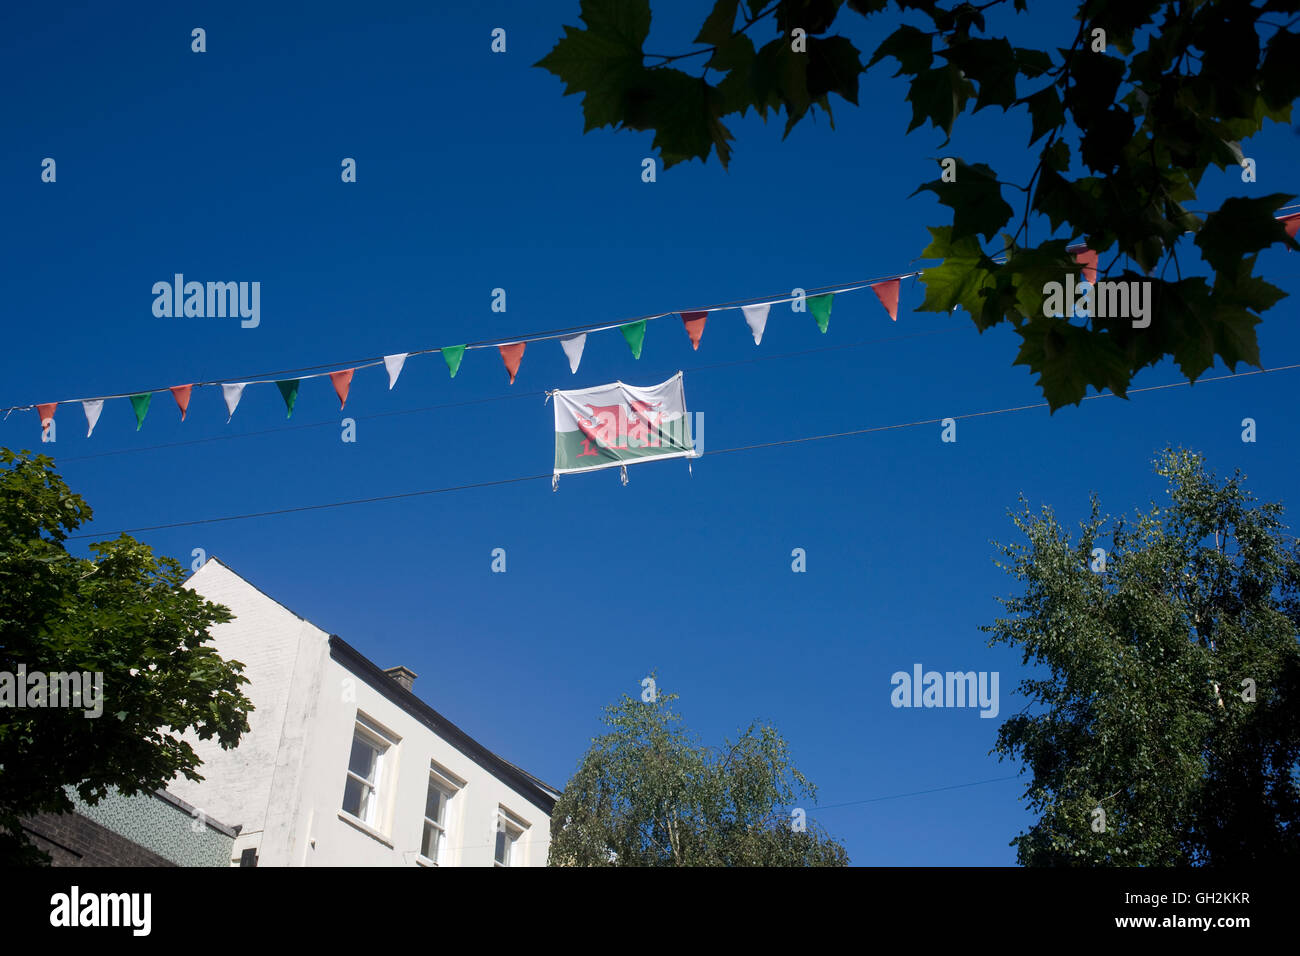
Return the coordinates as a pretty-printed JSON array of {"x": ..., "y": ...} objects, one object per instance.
[
  {"x": 382, "y": 744},
  {"x": 449, "y": 785},
  {"x": 514, "y": 828}
]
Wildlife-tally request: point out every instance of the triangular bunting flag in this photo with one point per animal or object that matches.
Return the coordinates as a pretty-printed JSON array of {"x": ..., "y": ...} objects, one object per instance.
[
  {"x": 140, "y": 405},
  {"x": 887, "y": 293},
  {"x": 694, "y": 322},
  {"x": 634, "y": 332},
  {"x": 756, "y": 317},
  {"x": 452, "y": 355},
  {"x": 820, "y": 307},
  {"x": 182, "y": 395},
  {"x": 393, "y": 365},
  {"x": 342, "y": 382},
  {"x": 1291, "y": 223},
  {"x": 231, "y": 393},
  {"x": 1088, "y": 259},
  {"x": 573, "y": 345},
  {"x": 512, "y": 354},
  {"x": 92, "y": 410},
  {"x": 289, "y": 392},
  {"x": 46, "y": 412}
]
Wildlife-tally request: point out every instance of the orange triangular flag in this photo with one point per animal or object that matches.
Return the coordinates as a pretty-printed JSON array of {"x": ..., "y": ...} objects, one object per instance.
[
  {"x": 342, "y": 382},
  {"x": 182, "y": 395},
  {"x": 1291, "y": 223},
  {"x": 887, "y": 293},
  {"x": 694, "y": 322},
  {"x": 46, "y": 412},
  {"x": 511, "y": 355},
  {"x": 1088, "y": 259}
]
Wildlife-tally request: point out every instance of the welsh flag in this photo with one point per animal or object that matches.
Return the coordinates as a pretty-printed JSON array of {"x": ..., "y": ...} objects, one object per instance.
[{"x": 619, "y": 424}]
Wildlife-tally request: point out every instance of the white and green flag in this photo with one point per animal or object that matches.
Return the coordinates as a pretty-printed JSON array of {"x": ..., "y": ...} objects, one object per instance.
[{"x": 619, "y": 424}]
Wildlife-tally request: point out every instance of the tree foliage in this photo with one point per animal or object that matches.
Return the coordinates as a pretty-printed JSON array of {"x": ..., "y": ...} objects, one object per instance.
[
  {"x": 1127, "y": 125},
  {"x": 647, "y": 794},
  {"x": 123, "y": 614},
  {"x": 1142, "y": 706}
]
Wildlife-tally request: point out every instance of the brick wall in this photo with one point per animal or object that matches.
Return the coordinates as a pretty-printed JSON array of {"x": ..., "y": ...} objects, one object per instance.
[{"x": 73, "y": 840}]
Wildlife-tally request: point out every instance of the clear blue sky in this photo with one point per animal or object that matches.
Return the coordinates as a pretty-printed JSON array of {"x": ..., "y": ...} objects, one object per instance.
[{"x": 473, "y": 173}]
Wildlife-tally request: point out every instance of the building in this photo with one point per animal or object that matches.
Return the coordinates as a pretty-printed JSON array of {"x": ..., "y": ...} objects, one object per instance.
[
  {"x": 344, "y": 765},
  {"x": 148, "y": 829}
]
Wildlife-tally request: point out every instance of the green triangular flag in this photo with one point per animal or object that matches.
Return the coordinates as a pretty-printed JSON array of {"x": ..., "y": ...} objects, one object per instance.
[
  {"x": 452, "y": 354},
  {"x": 140, "y": 405},
  {"x": 289, "y": 391},
  {"x": 820, "y": 307},
  {"x": 634, "y": 332}
]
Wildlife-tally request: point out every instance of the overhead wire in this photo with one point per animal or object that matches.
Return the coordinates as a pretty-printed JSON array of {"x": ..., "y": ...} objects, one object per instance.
[{"x": 722, "y": 451}]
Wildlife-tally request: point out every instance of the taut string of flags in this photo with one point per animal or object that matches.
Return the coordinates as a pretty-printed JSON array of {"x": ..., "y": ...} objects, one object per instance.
[
  {"x": 817, "y": 302},
  {"x": 572, "y": 340}
]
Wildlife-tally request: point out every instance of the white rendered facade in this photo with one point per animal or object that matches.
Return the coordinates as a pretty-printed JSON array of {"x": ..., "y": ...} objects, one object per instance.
[{"x": 343, "y": 765}]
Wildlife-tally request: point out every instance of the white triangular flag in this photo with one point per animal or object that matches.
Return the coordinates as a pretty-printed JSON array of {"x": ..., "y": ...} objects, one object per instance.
[
  {"x": 394, "y": 363},
  {"x": 231, "y": 394},
  {"x": 756, "y": 316},
  {"x": 573, "y": 346},
  {"x": 92, "y": 410}
]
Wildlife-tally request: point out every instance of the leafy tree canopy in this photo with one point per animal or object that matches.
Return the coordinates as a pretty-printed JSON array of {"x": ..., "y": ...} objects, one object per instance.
[
  {"x": 1164, "y": 725},
  {"x": 123, "y": 614},
  {"x": 1127, "y": 120},
  {"x": 648, "y": 794}
]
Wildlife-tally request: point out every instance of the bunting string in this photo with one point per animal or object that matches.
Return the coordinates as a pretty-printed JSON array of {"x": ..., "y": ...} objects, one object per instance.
[
  {"x": 817, "y": 302},
  {"x": 572, "y": 340}
]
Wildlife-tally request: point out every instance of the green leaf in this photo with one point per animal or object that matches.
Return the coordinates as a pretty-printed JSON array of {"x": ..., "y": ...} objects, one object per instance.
[
  {"x": 938, "y": 95},
  {"x": 1032, "y": 63},
  {"x": 909, "y": 46},
  {"x": 683, "y": 111},
  {"x": 975, "y": 198},
  {"x": 1240, "y": 227},
  {"x": 959, "y": 280},
  {"x": 603, "y": 61},
  {"x": 834, "y": 66},
  {"x": 720, "y": 24},
  {"x": 1069, "y": 358},
  {"x": 991, "y": 64},
  {"x": 1046, "y": 112}
]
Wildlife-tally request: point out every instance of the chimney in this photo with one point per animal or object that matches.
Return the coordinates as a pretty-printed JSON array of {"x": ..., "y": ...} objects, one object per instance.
[{"x": 403, "y": 675}]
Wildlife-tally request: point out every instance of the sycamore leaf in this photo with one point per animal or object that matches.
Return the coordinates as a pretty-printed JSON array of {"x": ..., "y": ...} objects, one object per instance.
[
  {"x": 719, "y": 25},
  {"x": 834, "y": 66},
  {"x": 1239, "y": 227},
  {"x": 959, "y": 280},
  {"x": 1068, "y": 358},
  {"x": 909, "y": 46},
  {"x": 938, "y": 95},
  {"x": 975, "y": 197},
  {"x": 683, "y": 112},
  {"x": 604, "y": 60},
  {"x": 991, "y": 63},
  {"x": 1045, "y": 111}
]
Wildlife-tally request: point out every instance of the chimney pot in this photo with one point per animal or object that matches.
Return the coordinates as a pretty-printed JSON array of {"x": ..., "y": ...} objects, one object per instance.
[{"x": 403, "y": 675}]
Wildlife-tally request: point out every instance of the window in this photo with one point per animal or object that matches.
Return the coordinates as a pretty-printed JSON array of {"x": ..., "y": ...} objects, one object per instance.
[
  {"x": 509, "y": 829},
  {"x": 365, "y": 769},
  {"x": 435, "y": 822},
  {"x": 439, "y": 816}
]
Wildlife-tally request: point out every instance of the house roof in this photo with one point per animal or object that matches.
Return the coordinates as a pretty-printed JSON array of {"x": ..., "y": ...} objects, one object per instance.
[
  {"x": 537, "y": 791},
  {"x": 531, "y": 787}
]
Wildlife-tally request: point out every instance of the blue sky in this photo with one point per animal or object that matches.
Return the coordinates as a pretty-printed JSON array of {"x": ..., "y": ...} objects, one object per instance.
[{"x": 473, "y": 174}]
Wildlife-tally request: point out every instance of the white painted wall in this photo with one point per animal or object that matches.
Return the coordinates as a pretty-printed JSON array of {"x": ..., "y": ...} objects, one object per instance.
[{"x": 284, "y": 782}]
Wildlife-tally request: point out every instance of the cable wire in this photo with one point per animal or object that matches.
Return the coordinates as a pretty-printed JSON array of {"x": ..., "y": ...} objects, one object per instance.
[{"x": 723, "y": 451}]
